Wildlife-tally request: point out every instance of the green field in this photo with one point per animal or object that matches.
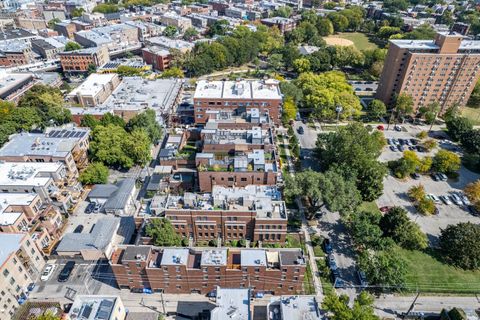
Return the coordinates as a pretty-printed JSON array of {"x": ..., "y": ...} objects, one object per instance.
[
  {"x": 472, "y": 114},
  {"x": 427, "y": 274},
  {"x": 360, "y": 40}
]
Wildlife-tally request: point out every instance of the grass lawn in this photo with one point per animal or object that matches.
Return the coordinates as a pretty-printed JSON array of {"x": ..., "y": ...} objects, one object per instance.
[
  {"x": 360, "y": 40},
  {"x": 430, "y": 275},
  {"x": 368, "y": 206},
  {"x": 472, "y": 114}
]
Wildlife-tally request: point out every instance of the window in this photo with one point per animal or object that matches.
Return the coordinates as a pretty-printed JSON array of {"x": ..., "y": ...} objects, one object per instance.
[
  {"x": 6, "y": 273},
  {"x": 179, "y": 286}
]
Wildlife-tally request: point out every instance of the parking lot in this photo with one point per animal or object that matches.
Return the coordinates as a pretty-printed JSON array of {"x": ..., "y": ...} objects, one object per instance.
[
  {"x": 86, "y": 278},
  {"x": 395, "y": 192}
]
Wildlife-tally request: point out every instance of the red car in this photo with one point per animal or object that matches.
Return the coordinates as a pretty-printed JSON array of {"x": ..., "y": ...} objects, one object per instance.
[
  {"x": 385, "y": 209},
  {"x": 380, "y": 127}
]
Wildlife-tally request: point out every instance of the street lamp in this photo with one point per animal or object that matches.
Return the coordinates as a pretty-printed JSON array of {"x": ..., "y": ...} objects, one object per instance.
[{"x": 338, "y": 109}]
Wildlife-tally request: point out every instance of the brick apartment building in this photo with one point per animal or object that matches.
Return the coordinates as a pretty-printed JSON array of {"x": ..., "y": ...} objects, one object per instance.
[
  {"x": 94, "y": 90},
  {"x": 235, "y": 98},
  {"x": 255, "y": 213},
  {"x": 158, "y": 57},
  {"x": 80, "y": 60},
  {"x": 444, "y": 70},
  {"x": 201, "y": 270}
]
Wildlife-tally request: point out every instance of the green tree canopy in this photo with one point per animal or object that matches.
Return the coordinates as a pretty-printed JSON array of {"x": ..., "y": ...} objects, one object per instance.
[
  {"x": 458, "y": 126},
  {"x": 338, "y": 307},
  {"x": 72, "y": 46},
  {"x": 406, "y": 233},
  {"x": 460, "y": 245},
  {"x": 106, "y": 8},
  {"x": 147, "y": 121},
  {"x": 95, "y": 173},
  {"x": 383, "y": 267},
  {"x": 376, "y": 109},
  {"x": 162, "y": 233},
  {"x": 446, "y": 161},
  {"x": 355, "y": 151}
]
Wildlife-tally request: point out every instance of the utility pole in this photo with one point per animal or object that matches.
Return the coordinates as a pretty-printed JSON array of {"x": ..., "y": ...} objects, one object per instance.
[
  {"x": 411, "y": 306},
  {"x": 163, "y": 303}
]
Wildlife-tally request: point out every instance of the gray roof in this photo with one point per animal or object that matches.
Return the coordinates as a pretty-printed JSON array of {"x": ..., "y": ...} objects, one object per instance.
[
  {"x": 102, "y": 191},
  {"x": 119, "y": 199},
  {"x": 132, "y": 252},
  {"x": 99, "y": 238}
]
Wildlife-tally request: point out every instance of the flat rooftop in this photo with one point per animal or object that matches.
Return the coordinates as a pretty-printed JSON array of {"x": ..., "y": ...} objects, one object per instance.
[
  {"x": 94, "y": 84},
  {"x": 56, "y": 143},
  {"x": 15, "y": 199},
  {"x": 215, "y": 257},
  {"x": 232, "y": 304},
  {"x": 431, "y": 45},
  {"x": 255, "y": 135},
  {"x": 92, "y": 307},
  {"x": 253, "y": 258},
  {"x": 243, "y": 90},
  {"x": 136, "y": 93},
  {"x": 10, "y": 244},
  {"x": 294, "y": 308},
  {"x": 174, "y": 257},
  {"x": 168, "y": 43},
  {"x": 10, "y": 81},
  {"x": 27, "y": 173}
]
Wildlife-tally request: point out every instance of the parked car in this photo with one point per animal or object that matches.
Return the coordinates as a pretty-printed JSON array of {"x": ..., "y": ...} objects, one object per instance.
[
  {"x": 393, "y": 148},
  {"x": 442, "y": 176},
  {"x": 301, "y": 130},
  {"x": 90, "y": 207},
  {"x": 446, "y": 200},
  {"x": 389, "y": 141},
  {"x": 411, "y": 148},
  {"x": 435, "y": 177},
  {"x": 362, "y": 278},
  {"x": 327, "y": 246},
  {"x": 78, "y": 229},
  {"x": 397, "y": 128},
  {"x": 456, "y": 199},
  {"x": 401, "y": 148},
  {"x": 380, "y": 127},
  {"x": 401, "y": 141},
  {"x": 414, "y": 141},
  {"x": 66, "y": 271},
  {"x": 415, "y": 176},
  {"x": 420, "y": 149},
  {"x": 304, "y": 121},
  {"x": 465, "y": 200},
  {"x": 97, "y": 207},
  {"x": 434, "y": 198},
  {"x": 385, "y": 209},
  {"x": 47, "y": 272},
  {"x": 394, "y": 141},
  {"x": 331, "y": 262}
]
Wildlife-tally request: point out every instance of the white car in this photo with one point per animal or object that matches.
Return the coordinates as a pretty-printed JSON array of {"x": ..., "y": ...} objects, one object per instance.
[
  {"x": 465, "y": 200},
  {"x": 47, "y": 273},
  {"x": 446, "y": 200},
  {"x": 434, "y": 198},
  {"x": 456, "y": 199}
]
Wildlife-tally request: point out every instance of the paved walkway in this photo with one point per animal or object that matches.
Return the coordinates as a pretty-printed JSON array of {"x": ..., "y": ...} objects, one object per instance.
[{"x": 308, "y": 242}]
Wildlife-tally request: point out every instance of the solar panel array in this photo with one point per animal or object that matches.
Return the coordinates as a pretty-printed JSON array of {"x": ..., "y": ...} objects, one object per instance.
[{"x": 66, "y": 134}]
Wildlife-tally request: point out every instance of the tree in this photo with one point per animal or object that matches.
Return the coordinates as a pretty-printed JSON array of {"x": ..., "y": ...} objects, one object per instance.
[
  {"x": 340, "y": 194},
  {"x": 406, "y": 233},
  {"x": 49, "y": 104},
  {"x": 24, "y": 119},
  {"x": 324, "y": 26},
  {"x": 324, "y": 92},
  {"x": 137, "y": 146},
  {"x": 51, "y": 24},
  {"x": 338, "y": 308},
  {"x": 458, "y": 126},
  {"x": 72, "y": 46},
  {"x": 304, "y": 184},
  {"x": 423, "y": 32},
  {"x": 172, "y": 72},
  {"x": 275, "y": 61},
  {"x": 289, "y": 89},
  {"x": 446, "y": 161},
  {"x": 386, "y": 32},
  {"x": 460, "y": 245},
  {"x": 403, "y": 105},
  {"x": 348, "y": 56},
  {"x": 162, "y": 233},
  {"x": 472, "y": 191},
  {"x": 219, "y": 27},
  {"x": 429, "y": 144},
  {"x": 376, "y": 109},
  {"x": 147, "y": 121},
  {"x": 355, "y": 151},
  {"x": 426, "y": 206},
  {"x": 109, "y": 146},
  {"x": 474, "y": 100},
  {"x": 106, "y": 8},
  {"x": 47, "y": 316},
  {"x": 417, "y": 193},
  {"x": 383, "y": 267},
  {"x": 170, "y": 31},
  {"x": 339, "y": 21},
  {"x": 289, "y": 110},
  {"x": 91, "y": 68},
  {"x": 284, "y": 12},
  {"x": 471, "y": 141},
  {"x": 190, "y": 34},
  {"x": 128, "y": 71},
  {"x": 95, "y": 173},
  {"x": 365, "y": 230},
  {"x": 301, "y": 65},
  {"x": 406, "y": 165},
  {"x": 77, "y": 12}
]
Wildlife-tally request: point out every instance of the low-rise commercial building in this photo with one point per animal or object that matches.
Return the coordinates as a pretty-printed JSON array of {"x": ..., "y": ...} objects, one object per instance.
[
  {"x": 167, "y": 43},
  {"x": 14, "y": 85},
  {"x": 80, "y": 60},
  {"x": 48, "y": 48},
  {"x": 117, "y": 199},
  {"x": 255, "y": 213},
  {"x": 173, "y": 19},
  {"x": 236, "y": 98},
  {"x": 283, "y": 24},
  {"x": 94, "y": 90},
  {"x": 201, "y": 270},
  {"x": 158, "y": 57},
  {"x": 232, "y": 304},
  {"x": 294, "y": 308}
]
